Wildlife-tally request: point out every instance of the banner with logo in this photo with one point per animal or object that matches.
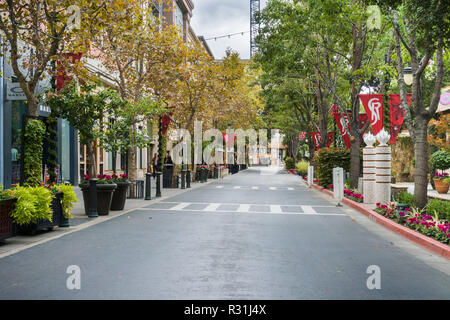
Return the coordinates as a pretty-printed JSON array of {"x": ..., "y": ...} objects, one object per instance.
[
  {"x": 342, "y": 122},
  {"x": 62, "y": 79},
  {"x": 397, "y": 114},
  {"x": 165, "y": 121},
  {"x": 373, "y": 104},
  {"x": 317, "y": 137}
]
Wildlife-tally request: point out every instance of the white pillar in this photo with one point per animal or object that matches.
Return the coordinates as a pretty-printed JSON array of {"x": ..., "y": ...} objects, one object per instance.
[
  {"x": 338, "y": 184},
  {"x": 310, "y": 176},
  {"x": 369, "y": 165},
  {"x": 383, "y": 169}
]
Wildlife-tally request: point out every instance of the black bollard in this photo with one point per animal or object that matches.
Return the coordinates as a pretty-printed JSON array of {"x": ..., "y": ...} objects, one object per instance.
[
  {"x": 158, "y": 184},
  {"x": 202, "y": 175},
  {"x": 183, "y": 179},
  {"x": 148, "y": 186},
  {"x": 188, "y": 179},
  {"x": 93, "y": 199}
]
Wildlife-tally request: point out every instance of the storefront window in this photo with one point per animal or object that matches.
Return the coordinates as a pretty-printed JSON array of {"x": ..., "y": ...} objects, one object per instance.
[
  {"x": 179, "y": 19},
  {"x": 65, "y": 152},
  {"x": 18, "y": 109}
]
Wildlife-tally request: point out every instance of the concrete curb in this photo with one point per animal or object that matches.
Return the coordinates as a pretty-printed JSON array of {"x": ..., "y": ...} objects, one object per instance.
[{"x": 420, "y": 239}]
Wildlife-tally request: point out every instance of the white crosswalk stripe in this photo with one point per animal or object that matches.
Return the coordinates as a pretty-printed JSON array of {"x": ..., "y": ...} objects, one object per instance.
[
  {"x": 244, "y": 208},
  {"x": 212, "y": 207},
  {"x": 180, "y": 206}
]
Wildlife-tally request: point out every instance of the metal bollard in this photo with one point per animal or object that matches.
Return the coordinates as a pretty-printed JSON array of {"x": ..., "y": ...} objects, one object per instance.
[
  {"x": 158, "y": 184},
  {"x": 188, "y": 179},
  {"x": 148, "y": 187},
  {"x": 183, "y": 179},
  {"x": 93, "y": 199}
]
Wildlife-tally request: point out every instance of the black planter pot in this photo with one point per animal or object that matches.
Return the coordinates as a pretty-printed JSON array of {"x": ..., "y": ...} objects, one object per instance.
[
  {"x": 7, "y": 229},
  {"x": 104, "y": 197},
  {"x": 119, "y": 196},
  {"x": 57, "y": 219}
]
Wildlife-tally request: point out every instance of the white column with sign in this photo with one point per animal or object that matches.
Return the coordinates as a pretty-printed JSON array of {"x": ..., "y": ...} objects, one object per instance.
[
  {"x": 383, "y": 169},
  {"x": 369, "y": 165},
  {"x": 338, "y": 184}
]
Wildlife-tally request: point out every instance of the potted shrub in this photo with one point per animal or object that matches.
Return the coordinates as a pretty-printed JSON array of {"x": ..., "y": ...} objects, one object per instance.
[
  {"x": 440, "y": 160},
  {"x": 105, "y": 189},
  {"x": 120, "y": 194},
  {"x": 33, "y": 210},
  {"x": 64, "y": 201},
  {"x": 441, "y": 182},
  {"x": 7, "y": 202}
]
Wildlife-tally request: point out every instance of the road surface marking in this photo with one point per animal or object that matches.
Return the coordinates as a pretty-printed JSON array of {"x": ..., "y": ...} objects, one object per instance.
[
  {"x": 180, "y": 206},
  {"x": 212, "y": 207},
  {"x": 308, "y": 210},
  {"x": 275, "y": 209},
  {"x": 243, "y": 208}
]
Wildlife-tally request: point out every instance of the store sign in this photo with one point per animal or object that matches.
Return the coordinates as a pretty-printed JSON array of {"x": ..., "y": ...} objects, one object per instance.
[
  {"x": 14, "y": 92},
  {"x": 44, "y": 111}
]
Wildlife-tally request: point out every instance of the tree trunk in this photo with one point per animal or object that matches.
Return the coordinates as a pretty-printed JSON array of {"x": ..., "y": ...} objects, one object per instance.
[
  {"x": 421, "y": 170},
  {"x": 92, "y": 171},
  {"x": 355, "y": 162}
]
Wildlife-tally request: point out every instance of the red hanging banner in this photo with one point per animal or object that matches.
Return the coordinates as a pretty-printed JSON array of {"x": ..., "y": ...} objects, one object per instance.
[
  {"x": 165, "y": 121},
  {"x": 397, "y": 114},
  {"x": 316, "y": 138},
  {"x": 62, "y": 79},
  {"x": 330, "y": 139},
  {"x": 342, "y": 122},
  {"x": 373, "y": 104}
]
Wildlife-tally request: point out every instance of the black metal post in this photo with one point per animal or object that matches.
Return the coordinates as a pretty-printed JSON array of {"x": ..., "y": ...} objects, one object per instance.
[
  {"x": 188, "y": 179},
  {"x": 158, "y": 184},
  {"x": 93, "y": 199},
  {"x": 183, "y": 179},
  {"x": 202, "y": 175},
  {"x": 148, "y": 186}
]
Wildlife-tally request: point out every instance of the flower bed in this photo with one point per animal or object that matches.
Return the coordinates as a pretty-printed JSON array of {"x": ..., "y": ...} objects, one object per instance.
[
  {"x": 417, "y": 220},
  {"x": 306, "y": 179},
  {"x": 352, "y": 195}
]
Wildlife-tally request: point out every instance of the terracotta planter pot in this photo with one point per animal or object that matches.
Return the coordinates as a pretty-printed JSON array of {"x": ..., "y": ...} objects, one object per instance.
[
  {"x": 104, "y": 197},
  {"x": 119, "y": 196},
  {"x": 441, "y": 186},
  {"x": 7, "y": 229}
]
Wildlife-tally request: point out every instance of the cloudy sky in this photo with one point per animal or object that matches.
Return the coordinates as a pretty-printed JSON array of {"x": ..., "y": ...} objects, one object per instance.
[{"x": 213, "y": 18}]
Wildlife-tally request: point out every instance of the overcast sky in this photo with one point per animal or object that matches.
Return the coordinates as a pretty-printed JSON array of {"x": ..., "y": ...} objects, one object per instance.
[{"x": 213, "y": 18}]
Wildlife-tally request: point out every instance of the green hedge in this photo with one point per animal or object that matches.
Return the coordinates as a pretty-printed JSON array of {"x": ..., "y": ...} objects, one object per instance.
[
  {"x": 34, "y": 141},
  {"x": 406, "y": 198},
  {"x": 289, "y": 163},
  {"x": 328, "y": 158},
  {"x": 441, "y": 207}
]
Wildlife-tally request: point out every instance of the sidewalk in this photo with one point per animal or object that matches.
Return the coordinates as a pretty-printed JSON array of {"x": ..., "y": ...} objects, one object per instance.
[
  {"x": 430, "y": 194},
  {"x": 81, "y": 221}
]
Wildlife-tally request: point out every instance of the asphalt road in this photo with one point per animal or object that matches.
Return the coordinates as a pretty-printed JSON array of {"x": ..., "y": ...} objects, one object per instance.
[{"x": 260, "y": 234}]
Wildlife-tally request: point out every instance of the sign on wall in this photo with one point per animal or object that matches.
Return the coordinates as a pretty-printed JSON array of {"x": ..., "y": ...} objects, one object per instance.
[{"x": 14, "y": 92}]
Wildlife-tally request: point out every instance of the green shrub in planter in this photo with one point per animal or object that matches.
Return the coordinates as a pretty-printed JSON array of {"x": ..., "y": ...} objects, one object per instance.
[
  {"x": 328, "y": 158},
  {"x": 302, "y": 167},
  {"x": 68, "y": 200},
  {"x": 33, "y": 203},
  {"x": 440, "y": 160},
  {"x": 289, "y": 163},
  {"x": 406, "y": 198},
  {"x": 442, "y": 208}
]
